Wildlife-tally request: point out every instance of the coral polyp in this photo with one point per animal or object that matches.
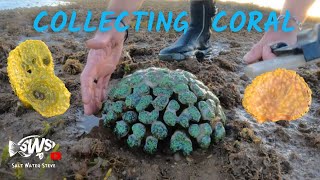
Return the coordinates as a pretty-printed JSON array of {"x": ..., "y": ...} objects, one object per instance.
[{"x": 173, "y": 108}]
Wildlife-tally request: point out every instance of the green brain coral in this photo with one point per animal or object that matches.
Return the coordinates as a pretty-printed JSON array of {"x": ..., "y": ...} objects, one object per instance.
[{"x": 159, "y": 105}]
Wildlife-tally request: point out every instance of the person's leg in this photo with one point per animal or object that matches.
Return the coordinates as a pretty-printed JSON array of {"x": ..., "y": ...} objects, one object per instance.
[{"x": 198, "y": 35}]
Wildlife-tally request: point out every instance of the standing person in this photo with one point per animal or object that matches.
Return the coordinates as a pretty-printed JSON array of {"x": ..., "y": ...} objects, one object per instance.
[{"x": 105, "y": 48}]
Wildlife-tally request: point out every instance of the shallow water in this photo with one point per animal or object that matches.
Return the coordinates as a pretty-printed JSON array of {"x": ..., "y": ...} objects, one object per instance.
[
  {"x": 86, "y": 123},
  {"x": 9, "y": 4}
]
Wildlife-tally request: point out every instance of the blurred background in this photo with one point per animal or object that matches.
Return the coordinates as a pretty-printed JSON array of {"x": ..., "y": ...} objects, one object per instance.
[{"x": 275, "y": 4}]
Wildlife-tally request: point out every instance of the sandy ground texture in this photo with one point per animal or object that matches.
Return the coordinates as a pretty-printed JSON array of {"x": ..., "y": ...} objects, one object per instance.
[{"x": 284, "y": 150}]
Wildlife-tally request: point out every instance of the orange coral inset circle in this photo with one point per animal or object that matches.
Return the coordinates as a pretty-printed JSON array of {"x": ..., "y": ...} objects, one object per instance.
[{"x": 278, "y": 95}]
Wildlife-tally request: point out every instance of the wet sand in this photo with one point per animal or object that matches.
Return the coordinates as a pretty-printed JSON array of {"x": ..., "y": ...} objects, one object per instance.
[{"x": 284, "y": 150}]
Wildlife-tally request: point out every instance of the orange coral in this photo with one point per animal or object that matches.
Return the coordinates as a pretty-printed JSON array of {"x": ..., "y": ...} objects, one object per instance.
[{"x": 278, "y": 95}]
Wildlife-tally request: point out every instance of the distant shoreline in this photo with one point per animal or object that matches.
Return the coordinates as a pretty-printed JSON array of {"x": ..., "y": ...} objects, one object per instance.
[{"x": 10, "y": 5}]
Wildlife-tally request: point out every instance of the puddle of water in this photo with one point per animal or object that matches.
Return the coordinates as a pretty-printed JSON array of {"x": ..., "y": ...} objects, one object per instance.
[
  {"x": 86, "y": 123},
  {"x": 217, "y": 47}
]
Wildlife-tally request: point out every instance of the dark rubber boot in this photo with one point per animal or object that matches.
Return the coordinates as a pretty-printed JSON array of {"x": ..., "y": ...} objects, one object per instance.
[{"x": 196, "y": 39}]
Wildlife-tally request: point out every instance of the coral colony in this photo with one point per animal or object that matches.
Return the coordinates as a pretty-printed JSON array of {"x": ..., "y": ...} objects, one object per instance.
[{"x": 159, "y": 105}]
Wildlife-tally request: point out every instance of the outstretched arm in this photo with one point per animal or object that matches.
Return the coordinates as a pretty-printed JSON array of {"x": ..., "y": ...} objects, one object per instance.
[
  {"x": 262, "y": 50},
  {"x": 105, "y": 51},
  {"x": 119, "y": 6},
  {"x": 298, "y": 9}
]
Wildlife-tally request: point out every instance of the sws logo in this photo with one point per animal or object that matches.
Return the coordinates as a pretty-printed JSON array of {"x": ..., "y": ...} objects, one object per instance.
[{"x": 31, "y": 144}]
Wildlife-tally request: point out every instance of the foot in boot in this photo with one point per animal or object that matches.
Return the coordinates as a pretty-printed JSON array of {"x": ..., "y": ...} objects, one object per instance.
[{"x": 197, "y": 36}]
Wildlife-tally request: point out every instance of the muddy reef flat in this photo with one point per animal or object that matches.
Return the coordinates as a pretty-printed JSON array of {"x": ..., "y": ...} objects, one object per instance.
[{"x": 283, "y": 150}]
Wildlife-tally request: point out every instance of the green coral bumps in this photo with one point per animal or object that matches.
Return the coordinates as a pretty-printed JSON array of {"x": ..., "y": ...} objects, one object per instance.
[
  {"x": 204, "y": 138},
  {"x": 133, "y": 141},
  {"x": 122, "y": 91},
  {"x": 207, "y": 112},
  {"x": 187, "y": 97},
  {"x": 159, "y": 105},
  {"x": 151, "y": 145},
  {"x": 139, "y": 130},
  {"x": 180, "y": 88},
  {"x": 201, "y": 133},
  {"x": 194, "y": 130},
  {"x": 132, "y": 100},
  {"x": 159, "y": 91},
  {"x": 160, "y": 102},
  {"x": 170, "y": 115},
  {"x": 219, "y": 132},
  {"x": 204, "y": 141},
  {"x": 191, "y": 113},
  {"x": 144, "y": 102},
  {"x": 183, "y": 120},
  {"x": 148, "y": 117},
  {"x": 118, "y": 106},
  {"x": 180, "y": 142},
  {"x": 198, "y": 91},
  {"x": 173, "y": 105},
  {"x": 133, "y": 80},
  {"x": 194, "y": 113},
  {"x": 141, "y": 89},
  {"x": 170, "y": 118},
  {"x": 110, "y": 117},
  {"x": 159, "y": 130},
  {"x": 167, "y": 81},
  {"x": 130, "y": 117},
  {"x": 121, "y": 129}
]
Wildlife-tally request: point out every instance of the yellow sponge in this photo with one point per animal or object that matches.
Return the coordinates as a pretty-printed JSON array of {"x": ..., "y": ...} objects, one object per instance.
[{"x": 31, "y": 74}]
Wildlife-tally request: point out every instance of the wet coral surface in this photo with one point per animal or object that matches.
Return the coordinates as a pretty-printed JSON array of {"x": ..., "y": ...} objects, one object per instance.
[{"x": 283, "y": 150}]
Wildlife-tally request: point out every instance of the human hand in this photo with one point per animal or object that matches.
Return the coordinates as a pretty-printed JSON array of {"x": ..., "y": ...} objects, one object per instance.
[
  {"x": 262, "y": 50},
  {"x": 103, "y": 57}
]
